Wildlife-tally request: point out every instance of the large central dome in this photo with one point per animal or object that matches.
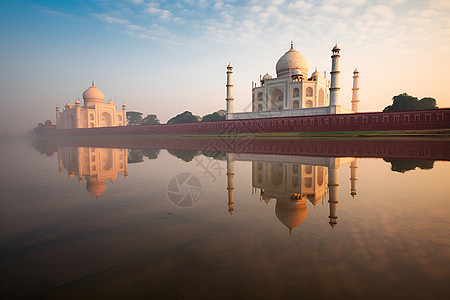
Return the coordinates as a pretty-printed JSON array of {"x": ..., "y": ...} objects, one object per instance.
[
  {"x": 292, "y": 61},
  {"x": 93, "y": 94}
]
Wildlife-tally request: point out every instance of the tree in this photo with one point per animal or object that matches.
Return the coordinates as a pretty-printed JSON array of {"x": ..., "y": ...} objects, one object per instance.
[
  {"x": 38, "y": 129},
  {"x": 213, "y": 117},
  {"x": 408, "y": 102},
  {"x": 186, "y": 117},
  {"x": 134, "y": 118},
  {"x": 403, "y": 165},
  {"x": 150, "y": 120}
]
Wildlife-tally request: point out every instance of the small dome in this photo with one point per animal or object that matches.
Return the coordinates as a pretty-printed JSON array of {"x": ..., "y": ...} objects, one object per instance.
[
  {"x": 77, "y": 101},
  {"x": 266, "y": 76},
  {"x": 110, "y": 102},
  {"x": 292, "y": 61},
  {"x": 356, "y": 71},
  {"x": 336, "y": 48},
  {"x": 316, "y": 74},
  {"x": 93, "y": 94},
  {"x": 68, "y": 104}
]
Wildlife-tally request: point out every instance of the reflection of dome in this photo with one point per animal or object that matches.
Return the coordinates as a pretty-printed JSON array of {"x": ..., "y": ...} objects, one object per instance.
[
  {"x": 95, "y": 187},
  {"x": 292, "y": 61},
  {"x": 291, "y": 213},
  {"x": 93, "y": 94}
]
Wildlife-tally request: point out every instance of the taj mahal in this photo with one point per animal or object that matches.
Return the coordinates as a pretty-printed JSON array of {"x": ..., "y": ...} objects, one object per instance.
[
  {"x": 294, "y": 93},
  {"x": 94, "y": 113}
]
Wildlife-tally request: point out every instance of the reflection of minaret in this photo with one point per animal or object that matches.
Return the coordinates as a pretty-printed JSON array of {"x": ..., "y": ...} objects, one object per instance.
[
  {"x": 333, "y": 186},
  {"x": 230, "y": 181},
  {"x": 353, "y": 167}
]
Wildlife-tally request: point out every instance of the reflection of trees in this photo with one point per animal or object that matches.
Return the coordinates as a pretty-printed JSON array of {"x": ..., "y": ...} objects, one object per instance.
[
  {"x": 186, "y": 155},
  {"x": 215, "y": 155},
  {"x": 403, "y": 165},
  {"x": 137, "y": 155},
  {"x": 151, "y": 153}
]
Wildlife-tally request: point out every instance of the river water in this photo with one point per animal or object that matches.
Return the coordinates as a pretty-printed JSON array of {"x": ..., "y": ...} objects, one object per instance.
[{"x": 82, "y": 221}]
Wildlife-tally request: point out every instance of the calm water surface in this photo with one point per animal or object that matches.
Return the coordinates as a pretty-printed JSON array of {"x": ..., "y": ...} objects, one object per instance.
[{"x": 85, "y": 222}]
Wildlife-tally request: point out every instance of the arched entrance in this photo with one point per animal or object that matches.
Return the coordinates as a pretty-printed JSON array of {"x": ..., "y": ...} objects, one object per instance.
[
  {"x": 106, "y": 119},
  {"x": 276, "y": 100},
  {"x": 321, "y": 98}
]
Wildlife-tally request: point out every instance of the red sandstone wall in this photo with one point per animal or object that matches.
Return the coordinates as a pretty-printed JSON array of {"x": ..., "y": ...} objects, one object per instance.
[
  {"x": 403, "y": 120},
  {"x": 404, "y": 149}
]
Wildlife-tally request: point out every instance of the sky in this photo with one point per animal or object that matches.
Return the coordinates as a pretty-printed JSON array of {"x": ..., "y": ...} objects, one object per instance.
[{"x": 165, "y": 57}]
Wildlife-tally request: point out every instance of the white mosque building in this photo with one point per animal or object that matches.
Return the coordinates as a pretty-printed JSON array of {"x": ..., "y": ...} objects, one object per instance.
[
  {"x": 293, "y": 92},
  {"x": 94, "y": 113}
]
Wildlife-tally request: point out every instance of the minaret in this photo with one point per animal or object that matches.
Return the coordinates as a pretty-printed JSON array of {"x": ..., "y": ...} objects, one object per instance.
[
  {"x": 332, "y": 198},
  {"x": 230, "y": 181},
  {"x": 77, "y": 114},
  {"x": 230, "y": 99},
  {"x": 355, "y": 89},
  {"x": 58, "y": 118},
  {"x": 124, "y": 116},
  {"x": 334, "y": 86},
  {"x": 353, "y": 167}
]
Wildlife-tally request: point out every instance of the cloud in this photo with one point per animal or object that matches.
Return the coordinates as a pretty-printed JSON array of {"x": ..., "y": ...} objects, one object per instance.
[
  {"x": 162, "y": 13},
  {"x": 110, "y": 19}
]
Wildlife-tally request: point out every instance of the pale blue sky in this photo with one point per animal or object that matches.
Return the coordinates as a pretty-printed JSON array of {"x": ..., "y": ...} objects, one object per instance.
[{"x": 165, "y": 57}]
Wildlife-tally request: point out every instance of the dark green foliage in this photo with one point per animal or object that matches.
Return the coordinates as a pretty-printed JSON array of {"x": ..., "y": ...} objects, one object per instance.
[
  {"x": 151, "y": 153},
  {"x": 403, "y": 165},
  {"x": 185, "y": 155},
  {"x": 135, "y": 156},
  {"x": 427, "y": 103},
  {"x": 408, "y": 102},
  {"x": 186, "y": 117},
  {"x": 38, "y": 129},
  {"x": 134, "y": 118},
  {"x": 150, "y": 120},
  {"x": 213, "y": 117},
  {"x": 215, "y": 154}
]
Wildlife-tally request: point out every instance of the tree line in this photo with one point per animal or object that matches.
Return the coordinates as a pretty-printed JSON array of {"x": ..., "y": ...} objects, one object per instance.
[
  {"x": 408, "y": 102},
  {"x": 135, "y": 118}
]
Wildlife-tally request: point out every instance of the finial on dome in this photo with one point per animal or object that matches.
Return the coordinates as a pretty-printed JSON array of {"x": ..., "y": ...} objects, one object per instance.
[
  {"x": 92, "y": 82},
  {"x": 292, "y": 44}
]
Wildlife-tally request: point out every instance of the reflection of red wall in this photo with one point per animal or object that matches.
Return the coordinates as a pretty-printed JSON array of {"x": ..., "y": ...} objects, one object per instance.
[
  {"x": 404, "y": 120},
  {"x": 386, "y": 148}
]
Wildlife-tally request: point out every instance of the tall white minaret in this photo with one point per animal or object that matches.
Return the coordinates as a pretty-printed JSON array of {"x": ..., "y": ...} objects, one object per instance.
[
  {"x": 332, "y": 196},
  {"x": 58, "y": 118},
  {"x": 124, "y": 115},
  {"x": 230, "y": 181},
  {"x": 334, "y": 86},
  {"x": 230, "y": 99},
  {"x": 355, "y": 89},
  {"x": 353, "y": 178},
  {"x": 77, "y": 114}
]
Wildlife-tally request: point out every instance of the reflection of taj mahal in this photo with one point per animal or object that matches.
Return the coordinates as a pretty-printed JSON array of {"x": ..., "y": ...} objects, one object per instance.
[
  {"x": 291, "y": 181},
  {"x": 94, "y": 113},
  {"x": 96, "y": 165}
]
